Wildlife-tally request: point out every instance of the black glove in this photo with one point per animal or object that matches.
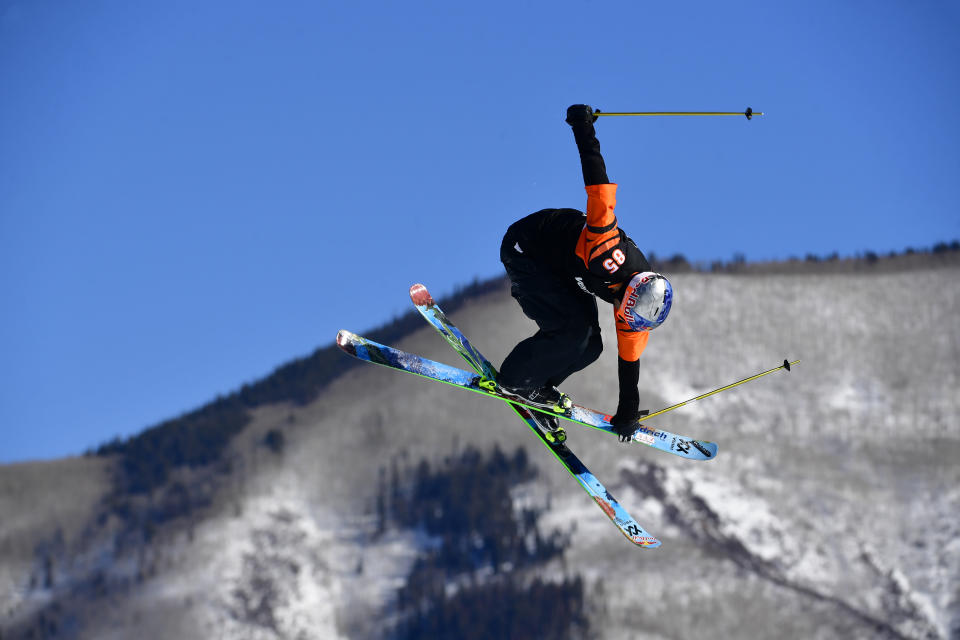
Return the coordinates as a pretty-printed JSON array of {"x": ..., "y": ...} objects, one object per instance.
[
  {"x": 624, "y": 424},
  {"x": 579, "y": 114}
]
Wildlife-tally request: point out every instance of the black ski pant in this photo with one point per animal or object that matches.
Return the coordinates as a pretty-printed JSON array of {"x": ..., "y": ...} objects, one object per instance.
[{"x": 569, "y": 335}]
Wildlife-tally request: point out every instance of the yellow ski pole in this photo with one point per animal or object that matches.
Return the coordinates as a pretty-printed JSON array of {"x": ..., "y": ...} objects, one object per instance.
[
  {"x": 749, "y": 113},
  {"x": 786, "y": 365}
]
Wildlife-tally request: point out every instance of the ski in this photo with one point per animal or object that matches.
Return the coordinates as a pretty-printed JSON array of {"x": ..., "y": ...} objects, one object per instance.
[
  {"x": 629, "y": 527},
  {"x": 364, "y": 349}
]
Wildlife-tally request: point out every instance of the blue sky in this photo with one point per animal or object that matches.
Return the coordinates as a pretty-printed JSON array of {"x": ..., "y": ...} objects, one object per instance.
[{"x": 193, "y": 193}]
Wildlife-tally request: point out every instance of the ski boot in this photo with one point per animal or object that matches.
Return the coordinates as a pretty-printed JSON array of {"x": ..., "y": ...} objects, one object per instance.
[
  {"x": 549, "y": 398},
  {"x": 553, "y": 433}
]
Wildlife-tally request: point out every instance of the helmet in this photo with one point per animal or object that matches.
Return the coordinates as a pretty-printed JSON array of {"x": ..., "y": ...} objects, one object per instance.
[{"x": 646, "y": 301}]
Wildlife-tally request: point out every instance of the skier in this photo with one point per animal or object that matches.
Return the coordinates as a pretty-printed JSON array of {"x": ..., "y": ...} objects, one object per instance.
[{"x": 559, "y": 261}]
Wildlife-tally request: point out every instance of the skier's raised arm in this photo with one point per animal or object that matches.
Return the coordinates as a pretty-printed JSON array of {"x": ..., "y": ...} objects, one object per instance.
[
  {"x": 580, "y": 117},
  {"x": 600, "y": 237}
]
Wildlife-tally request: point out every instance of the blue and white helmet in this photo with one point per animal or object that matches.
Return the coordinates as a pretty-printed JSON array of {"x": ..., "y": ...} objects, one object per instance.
[{"x": 646, "y": 301}]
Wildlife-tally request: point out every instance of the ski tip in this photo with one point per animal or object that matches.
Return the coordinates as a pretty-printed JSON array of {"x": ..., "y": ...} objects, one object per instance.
[
  {"x": 420, "y": 296},
  {"x": 344, "y": 337},
  {"x": 708, "y": 449}
]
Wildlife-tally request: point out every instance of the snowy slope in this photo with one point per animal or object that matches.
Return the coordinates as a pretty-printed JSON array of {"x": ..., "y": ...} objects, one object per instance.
[{"x": 829, "y": 512}]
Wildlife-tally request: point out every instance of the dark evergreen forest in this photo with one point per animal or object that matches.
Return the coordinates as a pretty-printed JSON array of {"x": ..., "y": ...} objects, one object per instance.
[{"x": 471, "y": 581}]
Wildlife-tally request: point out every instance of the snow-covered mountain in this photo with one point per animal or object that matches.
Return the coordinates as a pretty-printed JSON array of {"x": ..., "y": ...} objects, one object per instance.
[{"x": 830, "y": 511}]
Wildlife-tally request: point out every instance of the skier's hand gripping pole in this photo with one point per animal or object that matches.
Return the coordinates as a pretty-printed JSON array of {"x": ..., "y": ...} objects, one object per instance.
[{"x": 625, "y": 426}]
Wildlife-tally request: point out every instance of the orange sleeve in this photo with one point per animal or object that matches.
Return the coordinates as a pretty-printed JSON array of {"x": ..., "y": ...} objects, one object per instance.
[
  {"x": 601, "y": 232},
  {"x": 630, "y": 344}
]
